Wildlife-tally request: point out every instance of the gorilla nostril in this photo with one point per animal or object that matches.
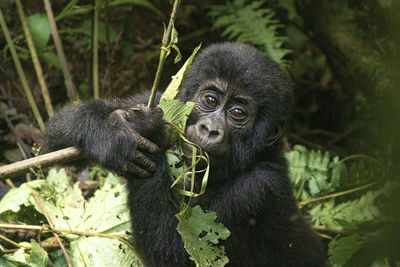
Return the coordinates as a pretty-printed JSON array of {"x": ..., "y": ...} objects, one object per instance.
[
  {"x": 213, "y": 133},
  {"x": 203, "y": 129}
]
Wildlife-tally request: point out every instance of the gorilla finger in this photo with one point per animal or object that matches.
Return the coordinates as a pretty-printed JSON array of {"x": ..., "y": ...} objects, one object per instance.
[
  {"x": 118, "y": 116},
  {"x": 144, "y": 161},
  {"x": 144, "y": 144},
  {"x": 135, "y": 169}
]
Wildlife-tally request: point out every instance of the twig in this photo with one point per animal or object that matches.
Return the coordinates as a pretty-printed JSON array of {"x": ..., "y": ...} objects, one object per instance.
[
  {"x": 340, "y": 193},
  {"x": 21, "y": 167},
  {"x": 304, "y": 141},
  {"x": 39, "y": 202},
  {"x": 21, "y": 73},
  {"x": 326, "y": 228},
  {"x": 345, "y": 133},
  {"x": 69, "y": 84},
  {"x": 109, "y": 63},
  {"x": 35, "y": 59},
  {"x": 163, "y": 54}
]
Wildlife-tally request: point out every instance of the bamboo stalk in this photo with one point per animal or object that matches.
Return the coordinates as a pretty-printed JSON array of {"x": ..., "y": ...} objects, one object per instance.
[
  {"x": 35, "y": 60},
  {"x": 69, "y": 84}
]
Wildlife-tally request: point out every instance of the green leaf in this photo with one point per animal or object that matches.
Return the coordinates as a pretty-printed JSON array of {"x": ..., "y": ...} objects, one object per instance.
[
  {"x": 201, "y": 234},
  {"x": 52, "y": 59},
  {"x": 175, "y": 111},
  {"x": 173, "y": 87},
  {"x": 40, "y": 29},
  {"x": 178, "y": 54},
  {"x": 86, "y": 28},
  {"x": 341, "y": 249},
  {"x": 38, "y": 256},
  {"x": 107, "y": 209},
  {"x": 106, "y": 212},
  {"x": 101, "y": 252},
  {"x": 14, "y": 260},
  {"x": 144, "y": 3}
]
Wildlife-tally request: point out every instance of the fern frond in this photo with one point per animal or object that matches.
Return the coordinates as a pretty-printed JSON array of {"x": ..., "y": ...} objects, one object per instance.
[
  {"x": 250, "y": 23},
  {"x": 315, "y": 174}
]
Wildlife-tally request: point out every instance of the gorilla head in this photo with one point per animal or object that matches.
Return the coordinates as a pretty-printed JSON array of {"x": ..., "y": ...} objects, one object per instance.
[{"x": 242, "y": 100}]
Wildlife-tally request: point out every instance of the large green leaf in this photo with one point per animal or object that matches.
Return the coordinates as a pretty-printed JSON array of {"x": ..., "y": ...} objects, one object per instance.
[{"x": 104, "y": 217}]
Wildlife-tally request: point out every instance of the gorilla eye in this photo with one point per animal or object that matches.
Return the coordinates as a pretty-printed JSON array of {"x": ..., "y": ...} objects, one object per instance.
[
  {"x": 211, "y": 101},
  {"x": 238, "y": 113}
]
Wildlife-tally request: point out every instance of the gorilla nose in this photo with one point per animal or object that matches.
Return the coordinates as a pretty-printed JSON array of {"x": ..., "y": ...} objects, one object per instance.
[{"x": 211, "y": 130}]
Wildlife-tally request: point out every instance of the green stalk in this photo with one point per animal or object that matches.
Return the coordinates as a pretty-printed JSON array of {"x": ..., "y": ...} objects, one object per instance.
[
  {"x": 69, "y": 84},
  {"x": 95, "y": 50},
  {"x": 35, "y": 60},
  {"x": 163, "y": 54},
  {"x": 21, "y": 73}
]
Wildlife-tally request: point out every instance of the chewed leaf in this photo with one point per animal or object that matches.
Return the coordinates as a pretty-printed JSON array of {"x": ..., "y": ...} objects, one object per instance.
[
  {"x": 173, "y": 87},
  {"x": 201, "y": 234}
]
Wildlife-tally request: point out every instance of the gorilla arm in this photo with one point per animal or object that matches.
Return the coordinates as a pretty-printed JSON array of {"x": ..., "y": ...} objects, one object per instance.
[{"x": 110, "y": 133}]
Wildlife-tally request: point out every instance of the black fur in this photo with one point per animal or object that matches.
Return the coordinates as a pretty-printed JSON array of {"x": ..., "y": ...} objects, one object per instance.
[{"x": 249, "y": 190}]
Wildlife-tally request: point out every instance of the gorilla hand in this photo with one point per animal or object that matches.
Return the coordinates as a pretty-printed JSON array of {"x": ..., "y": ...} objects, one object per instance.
[{"x": 149, "y": 136}]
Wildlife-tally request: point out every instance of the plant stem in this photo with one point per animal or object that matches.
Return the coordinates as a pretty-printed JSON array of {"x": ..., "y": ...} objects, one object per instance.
[
  {"x": 340, "y": 193},
  {"x": 21, "y": 73},
  {"x": 68, "y": 231},
  {"x": 95, "y": 50},
  {"x": 35, "y": 59},
  {"x": 11, "y": 242},
  {"x": 69, "y": 84},
  {"x": 163, "y": 53}
]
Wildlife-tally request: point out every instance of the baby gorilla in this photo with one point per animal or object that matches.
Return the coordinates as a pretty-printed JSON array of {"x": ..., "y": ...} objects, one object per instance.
[{"x": 242, "y": 101}]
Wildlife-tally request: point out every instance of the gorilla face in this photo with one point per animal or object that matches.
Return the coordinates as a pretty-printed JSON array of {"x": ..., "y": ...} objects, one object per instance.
[{"x": 223, "y": 109}]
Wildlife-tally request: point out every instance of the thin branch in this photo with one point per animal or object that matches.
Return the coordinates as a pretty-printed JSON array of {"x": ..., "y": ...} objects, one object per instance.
[
  {"x": 69, "y": 84},
  {"x": 21, "y": 73},
  {"x": 340, "y": 193},
  {"x": 163, "y": 54},
  {"x": 21, "y": 167},
  {"x": 326, "y": 228},
  {"x": 35, "y": 60}
]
